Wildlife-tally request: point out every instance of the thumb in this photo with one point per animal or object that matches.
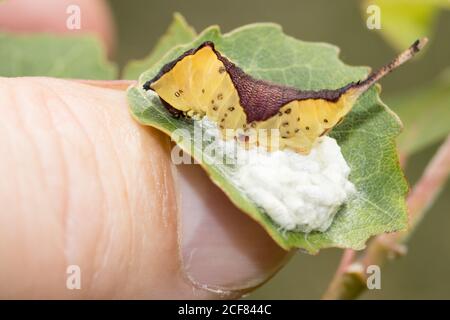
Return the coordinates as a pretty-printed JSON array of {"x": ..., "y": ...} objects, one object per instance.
[{"x": 92, "y": 188}]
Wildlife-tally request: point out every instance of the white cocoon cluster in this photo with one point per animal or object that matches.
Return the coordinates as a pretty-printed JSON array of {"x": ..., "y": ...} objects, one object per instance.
[{"x": 299, "y": 192}]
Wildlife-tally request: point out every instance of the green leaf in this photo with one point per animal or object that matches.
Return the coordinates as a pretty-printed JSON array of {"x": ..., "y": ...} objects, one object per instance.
[
  {"x": 178, "y": 33},
  {"x": 78, "y": 57},
  {"x": 404, "y": 21},
  {"x": 366, "y": 136},
  {"x": 425, "y": 113}
]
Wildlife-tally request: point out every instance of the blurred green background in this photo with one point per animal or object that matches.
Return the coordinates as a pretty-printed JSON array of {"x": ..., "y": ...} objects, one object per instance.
[{"x": 424, "y": 273}]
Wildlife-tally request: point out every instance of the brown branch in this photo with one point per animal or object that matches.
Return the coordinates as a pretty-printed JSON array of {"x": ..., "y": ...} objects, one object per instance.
[
  {"x": 350, "y": 278},
  {"x": 429, "y": 186}
]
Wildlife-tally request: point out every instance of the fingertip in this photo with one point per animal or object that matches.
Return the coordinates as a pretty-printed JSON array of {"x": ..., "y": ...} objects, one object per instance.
[
  {"x": 222, "y": 248},
  {"x": 137, "y": 226}
]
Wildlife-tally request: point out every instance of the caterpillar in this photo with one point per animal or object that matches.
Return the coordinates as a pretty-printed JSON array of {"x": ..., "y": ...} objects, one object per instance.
[{"x": 203, "y": 82}]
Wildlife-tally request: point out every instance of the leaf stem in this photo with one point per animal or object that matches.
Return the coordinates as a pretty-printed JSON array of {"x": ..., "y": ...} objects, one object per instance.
[{"x": 350, "y": 278}]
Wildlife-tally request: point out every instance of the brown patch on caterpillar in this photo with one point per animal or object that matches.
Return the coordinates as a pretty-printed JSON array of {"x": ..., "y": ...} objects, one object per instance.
[
  {"x": 271, "y": 96},
  {"x": 257, "y": 101}
]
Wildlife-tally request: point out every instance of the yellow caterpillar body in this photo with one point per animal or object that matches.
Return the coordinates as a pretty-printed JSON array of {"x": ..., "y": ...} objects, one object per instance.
[{"x": 204, "y": 83}]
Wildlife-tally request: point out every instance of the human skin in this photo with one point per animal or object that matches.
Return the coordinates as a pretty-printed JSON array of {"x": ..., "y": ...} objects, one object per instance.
[{"x": 84, "y": 184}]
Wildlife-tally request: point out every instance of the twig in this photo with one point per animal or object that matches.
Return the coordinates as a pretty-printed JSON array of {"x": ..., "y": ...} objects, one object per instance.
[
  {"x": 429, "y": 186},
  {"x": 350, "y": 278}
]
